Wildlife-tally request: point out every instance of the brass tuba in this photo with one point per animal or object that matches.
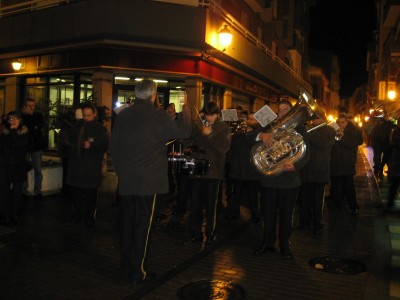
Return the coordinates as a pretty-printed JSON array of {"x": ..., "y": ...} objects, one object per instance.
[{"x": 289, "y": 145}]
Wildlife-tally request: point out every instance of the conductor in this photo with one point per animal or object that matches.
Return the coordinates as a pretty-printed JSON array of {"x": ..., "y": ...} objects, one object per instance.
[{"x": 139, "y": 156}]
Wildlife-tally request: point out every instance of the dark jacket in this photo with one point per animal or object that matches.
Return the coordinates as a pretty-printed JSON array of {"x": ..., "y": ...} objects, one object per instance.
[
  {"x": 241, "y": 165},
  {"x": 380, "y": 135},
  {"x": 213, "y": 148},
  {"x": 318, "y": 167},
  {"x": 85, "y": 165},
  {"x": 344, "y": 153},
  {"x": 35, "y": 124},
  {"x": 138, "y": 147},
  {"x": 394, "y": 166},
  {"x": 13, "y": 149}
]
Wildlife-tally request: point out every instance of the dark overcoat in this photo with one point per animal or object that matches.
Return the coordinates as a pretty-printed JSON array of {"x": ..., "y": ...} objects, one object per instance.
[
  {"x": 213, "y": 148},
  {"x": 318, "y": 167},
  {"x": 13, "y": 149},
  {"x": 138, "y": 147},
  {"x": 85, "y": 165},
  {"x": 344, "y": 153}
]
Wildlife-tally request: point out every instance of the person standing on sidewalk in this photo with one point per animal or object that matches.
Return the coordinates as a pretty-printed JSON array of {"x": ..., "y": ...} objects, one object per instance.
[
  {"x": 394, "y": 165},
  {"x": 14, "y": 142},
  {"x": 139, "y": 156},
  {"x": 314, "y": 177},
  {"x": 213, "y": 140},
  {"x": 343, "y": 165},
  {"x": 279, "y": 194},
  {"x": 35, "y": 122},
  {"x": 88, "y": 140}
]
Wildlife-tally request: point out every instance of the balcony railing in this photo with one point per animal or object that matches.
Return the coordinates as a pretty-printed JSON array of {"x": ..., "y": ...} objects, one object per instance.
[{"x": 27, "y": 6}]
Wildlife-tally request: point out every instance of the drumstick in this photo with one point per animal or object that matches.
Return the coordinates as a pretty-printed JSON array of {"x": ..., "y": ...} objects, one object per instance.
[
  {"x": 198, "y": 114},
  {"x": 166, "y": 144}
]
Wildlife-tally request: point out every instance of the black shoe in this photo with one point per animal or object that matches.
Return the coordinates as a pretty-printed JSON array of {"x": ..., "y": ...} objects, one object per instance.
[
  {"x": 232, "y": 217},
  {"x": 318, "y": 229},
  {"x": 264, "y": 249},
  {"x": 286, "y": 254},
  {"x": 194, "y": 241},
  {"x": 302, "y": 227},
  {"x": 149, "y": 277},
  {"x": 90, "y": 226},
  {"x": 211, "y": 239}
]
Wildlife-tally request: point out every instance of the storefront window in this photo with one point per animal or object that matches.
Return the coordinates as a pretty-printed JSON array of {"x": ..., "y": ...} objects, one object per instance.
[{"x": 55, "y": 96}]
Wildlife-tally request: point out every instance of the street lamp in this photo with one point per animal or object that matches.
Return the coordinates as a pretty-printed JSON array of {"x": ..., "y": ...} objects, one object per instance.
[
  {"x": 16, "y": 65},
  {"x": 225, "y": 37}
]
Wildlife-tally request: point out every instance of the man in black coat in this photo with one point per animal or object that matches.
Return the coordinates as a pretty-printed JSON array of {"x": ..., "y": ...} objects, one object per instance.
[
  {"x": 35, "y": 122},
  {"x": 139, "y": 155},
  {"x": 279, "y": 193},
  {"x": 314, "y": 176},
  {"x": 88, "y": 142},
  {"x": 214, "y": 140},
  {"x": 343, "y": 165}
]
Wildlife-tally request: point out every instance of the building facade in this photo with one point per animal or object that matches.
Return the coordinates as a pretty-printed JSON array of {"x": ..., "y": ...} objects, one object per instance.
[{"x": 70, "y": 51}]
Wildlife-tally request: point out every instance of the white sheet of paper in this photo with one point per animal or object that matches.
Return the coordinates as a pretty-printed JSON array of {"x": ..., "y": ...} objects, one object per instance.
[
  {"x": 229, "y": 115},
  {"x": 265, "y": 115}
]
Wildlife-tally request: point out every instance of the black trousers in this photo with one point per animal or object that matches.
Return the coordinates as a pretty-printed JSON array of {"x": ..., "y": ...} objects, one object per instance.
[
  {"x": 311, "y": 203},
  {"x": 394, "y": 185},
  {"x": 84, "y": 203},
  {"x": 278, "y": 201},
  {"x": 343, "y": 185},
  {"x": 183, "y": 197},
  {"x": 253, "y": 188},
  {"x": 10, "y": 196},
  {"x": 136, "y": 218},
  {"x": 204, "y": 192}
]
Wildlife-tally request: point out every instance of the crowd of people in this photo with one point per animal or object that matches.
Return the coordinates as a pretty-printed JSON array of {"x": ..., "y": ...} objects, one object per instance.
[{"x": 193, "y": 158}]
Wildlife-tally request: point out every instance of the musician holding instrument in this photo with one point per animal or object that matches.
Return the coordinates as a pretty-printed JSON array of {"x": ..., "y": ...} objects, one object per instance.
[
  {"x": 343, "y": 165},
  {"x": 243, "y": 174},
  {"x": 279, "y": 193},
  {"x": 139, "y": 156},
  {"x": 314, "y": 176},
  {"x": 213, "y": 140}
]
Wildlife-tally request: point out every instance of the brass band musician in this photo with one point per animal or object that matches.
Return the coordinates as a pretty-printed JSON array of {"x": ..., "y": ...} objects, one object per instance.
[
  {"x": 214, "y": 139},
  {"x": 280, "y": 193}
]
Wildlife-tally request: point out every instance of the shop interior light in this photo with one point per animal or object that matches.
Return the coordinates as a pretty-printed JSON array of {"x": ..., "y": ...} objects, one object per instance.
[
  {"x": 160, "y": 81},
  {"x": 122, "y": 78}
]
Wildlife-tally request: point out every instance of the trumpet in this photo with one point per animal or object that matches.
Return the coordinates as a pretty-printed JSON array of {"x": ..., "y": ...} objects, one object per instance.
[
  {"x": 239, "y": 126},
  {"x": 339, "y": 134}
]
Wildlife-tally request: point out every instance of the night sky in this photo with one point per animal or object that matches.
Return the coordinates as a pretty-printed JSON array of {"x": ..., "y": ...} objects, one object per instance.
[{"x": 344, "y": 26}]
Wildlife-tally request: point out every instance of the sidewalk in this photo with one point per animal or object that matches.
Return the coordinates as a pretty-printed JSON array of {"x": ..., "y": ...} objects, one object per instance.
[
  {"x": 393, "y": 227},
  {"x": 45, "y": 259}
]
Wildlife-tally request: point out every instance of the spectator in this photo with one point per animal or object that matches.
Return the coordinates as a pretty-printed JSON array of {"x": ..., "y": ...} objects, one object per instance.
[
  {"x": 343, "y": 165},
  {"x": 394, "y": 169},
  {"x": 380, "y": 143},
  {"x": 14, "y": 142},
  {"x": 88, "y": 141},
  {"x": 35, "y": 122}
]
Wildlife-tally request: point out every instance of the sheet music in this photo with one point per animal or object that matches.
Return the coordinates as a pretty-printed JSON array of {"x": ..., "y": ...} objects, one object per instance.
[
  {"x": 229, "y": 115},
  {"x": 265, "y": 115}
]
